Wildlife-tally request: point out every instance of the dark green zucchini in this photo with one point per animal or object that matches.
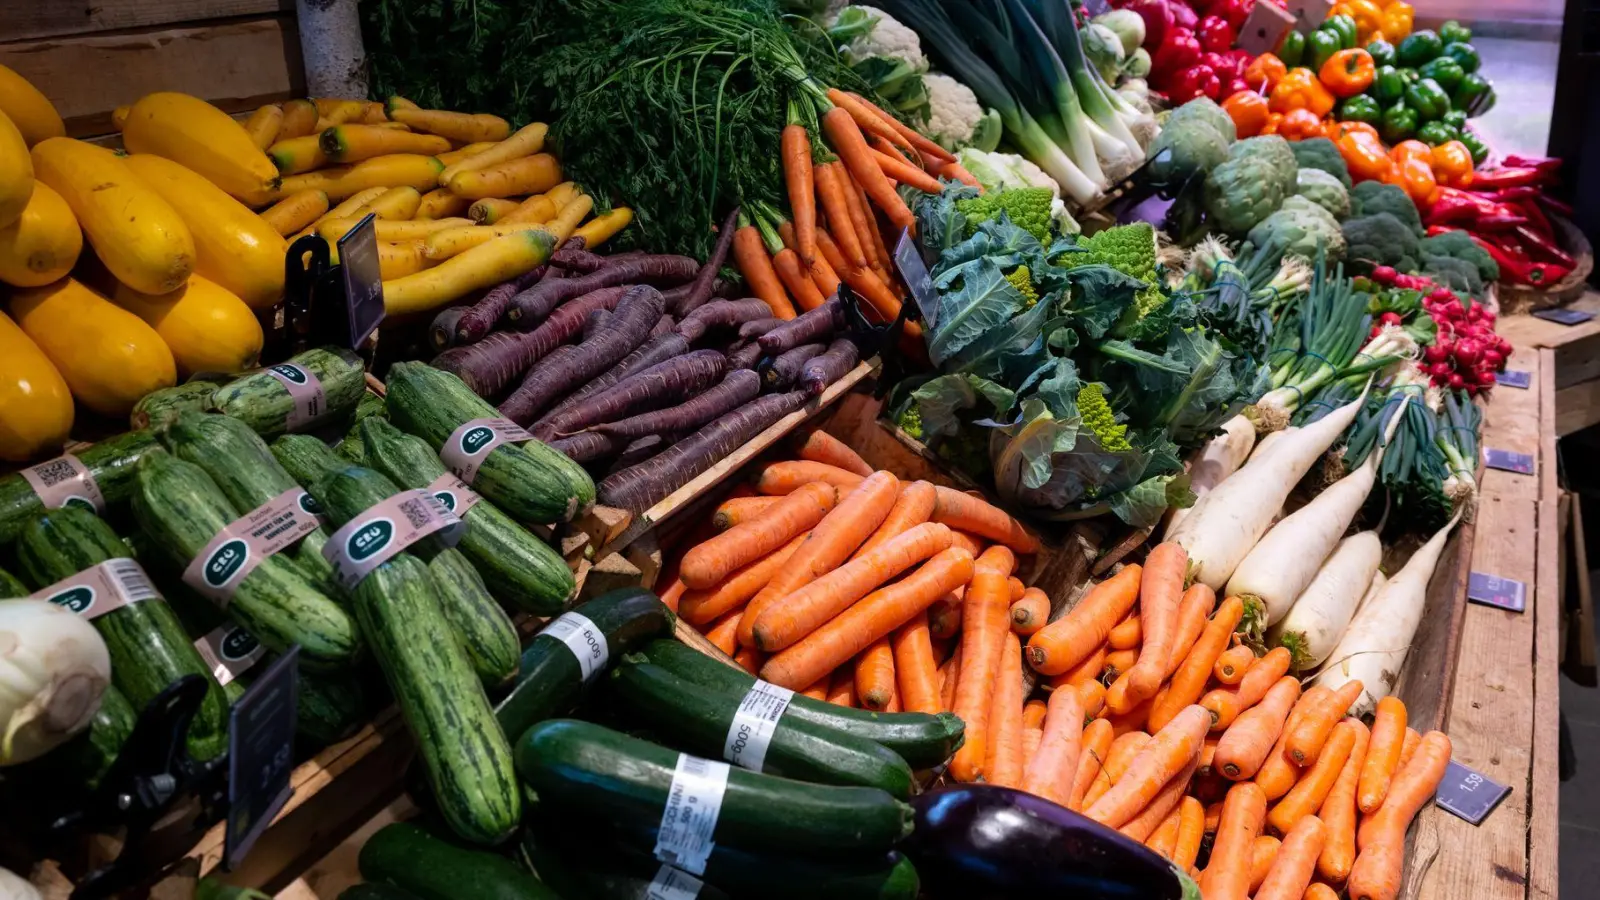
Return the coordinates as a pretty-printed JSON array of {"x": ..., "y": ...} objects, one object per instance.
[
  {"x": 112, "y": 463},
  {"x": 578, "y": 866},
  {"x": 307, "y": 460},
  {"x": 376, "y": 892},
  {"x": 530, "y": 481},
  {"x": 332, "y": 707},
  {"x": 10, "y": 587},
  {"x": 181, "y": 508},
  {"x": 262, "y": 402},
  {"x": 551, "y": 681},
  {"x": 410, "y": 858},
  {"x": 351, "y": 448},
  {"x": 519, "y": 569},
  {"x": 697, "y": 719},
  {"x": 148, "y": 646},
  {"x": 90, "y": 754},
  {"x": 922, "y": 740},
  {"x": 157, "y": 408},
  {"x": 598, "y": 773}
]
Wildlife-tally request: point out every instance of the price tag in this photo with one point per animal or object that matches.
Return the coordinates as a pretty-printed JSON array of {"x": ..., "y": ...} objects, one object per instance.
[
  {"x": 673, "y": 884},
  {"x": 1308, "y": 14},
  {"x": 1468, "y": 794},
  {"x": 908, "y": 259},
  {"x": 689, "y": 820},
  {"x": 363, "y": 280},
  {"x": 260, "y": 755},
  {"x": 1264, "y": 29},
  {"x": 1509, "y": 461},
  {"x": 1563, "y": 316},
  {"x": 1492, "y": 590},
  {"x": 1517, "y": 378}
]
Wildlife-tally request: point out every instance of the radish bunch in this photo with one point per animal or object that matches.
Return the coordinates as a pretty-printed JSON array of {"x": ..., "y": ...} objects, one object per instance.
[{"x": 1466, "y": 353}]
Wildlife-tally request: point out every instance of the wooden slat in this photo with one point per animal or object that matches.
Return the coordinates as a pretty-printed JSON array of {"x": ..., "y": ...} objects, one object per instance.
[
  {"x": 1544, "y": 782},
  {"x": 1577, "y": 406},
  {"x": 28, "y": 19},
  {"x": 237, "y": 65}
]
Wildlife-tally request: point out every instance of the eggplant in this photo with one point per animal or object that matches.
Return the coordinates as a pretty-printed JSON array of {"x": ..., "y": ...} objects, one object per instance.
[{"x": 983, "y": 842}]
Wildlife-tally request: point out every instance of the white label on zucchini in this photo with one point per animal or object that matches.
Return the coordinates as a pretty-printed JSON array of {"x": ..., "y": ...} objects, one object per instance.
[
  {"x": 100, "y": 589},
  {"x": 65, "y": 481},
  {"x": 673, "y": 884},
  {"x": 308, "y": 402},
  {"x": 451, "y": 491},
  {"x": 753, "y": 724},
  {"x": 584, "y": 638},
  {"x": 229, "y": 651},
  {"x": 470, "y": 444},
  {"x": 234, "y": 552},
  {"x": 690, "y": 818},
  {"x": 388, "y": 527}
]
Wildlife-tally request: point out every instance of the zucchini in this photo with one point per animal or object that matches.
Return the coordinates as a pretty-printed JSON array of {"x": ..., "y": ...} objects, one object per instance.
[
  {"x": 576, "y": 868},
  {"x": 530, "y": 481},
  {"x": 111, "y": 462},
  {"x": 783, "y": 876},
  {"x": 352, "y": 449},
  {"x": 332, "y": 707},
  {"x": 376, "y": 892},
  {"x": 261, "y": 401},
  {"x": 10, "y": 587},
  {"x": 551, "y": 681},
  {"x": 182, "y": 509},
  {"x": 159, "y": 407},
  {"x": 922, "y": 740},
  {"x": 698, "y": 720},
  {"x": 242, "y": 465},
  {"x": 408, "y": 857},
  {"x": 148, "y": 646},
  {"x": 519, "y": 568},
  {"x": 90, "y": 755},
  {"x": 602, "y": 774},
  {"x": 308, "y": 461}
]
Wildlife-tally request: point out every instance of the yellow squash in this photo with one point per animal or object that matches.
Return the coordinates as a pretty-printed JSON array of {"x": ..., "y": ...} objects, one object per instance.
[
  {"x": 191, "y": 131},
  {"x": 43, "y": 244},
  {"x": 233, "y": 246},
  {"x": 139, "y": 236},
  {"x": 28, "y": 109},
  {"x": 16, "y": 172},
  {"x": 206, "y": 327},
  {"x": 495, "y": 262},
  {"x": 108, "y": 356},
  {"x": 35, "y": 405}
]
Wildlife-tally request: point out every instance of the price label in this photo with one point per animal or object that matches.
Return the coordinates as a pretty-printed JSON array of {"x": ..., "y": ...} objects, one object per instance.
[
  {"x": 1517, "y": 378},
  {"x": 914, "y": 271},
  {"x": 1264, "y": 29},
  {"x": 363, "y": 280},
  {"x": 260, "y": 755},
  {"x": 1509, "y": 461},
  {"x": 1564, "y": 316},
  {"x": 1492, "y": 590},
  {"x": 1469, "y": 794}
]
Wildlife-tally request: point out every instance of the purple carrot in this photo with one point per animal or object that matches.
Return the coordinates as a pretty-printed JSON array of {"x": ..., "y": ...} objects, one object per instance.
[
  {"x": 637, "y": 487},
  {"x": 442, "y": 333},
  {"x": 637, "y": 452},
  {"x": 722, "y": 314},
  {"x": 721, "y": 289},
  {"x": 700, "y": 290},
  {"x": 749, "y": 331},
  {"x": 745, "y": 357},
  {"x": 549, "y": 379},
  {"x": 821, "y": 371},
  {"x": 480, "y": 319},
  {"x": 781, "y": 375},
  {"x": 665, "y": 326},
  {"x": 599, "y": 320},
  {"x": 587, "y": 446},
  {"x": 530, "y": 307},
  {"x": 665, "y": 382},
  {"x": 658, "y": 348},
  {"x": 814, "y": 325},
  {"x": 739, "y": 387},
  {"x": 501, "y": 358}
]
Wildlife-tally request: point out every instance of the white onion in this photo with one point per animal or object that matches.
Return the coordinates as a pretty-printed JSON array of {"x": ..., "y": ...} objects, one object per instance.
[
  {"x": 53, "y": 670},
  {"x": 15, "y": 887}
]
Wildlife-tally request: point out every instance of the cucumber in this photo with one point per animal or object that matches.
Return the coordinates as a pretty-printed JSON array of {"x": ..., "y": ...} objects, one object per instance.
[
  {"x": 241, "y": 464},
  {"x": 576, "y": 868},
  {"x": 519, "y": 569},
  {"x": 697, "y": 719},
  {"x": 606, "y": 775},
  {"x": 262, "y": 402},
  {"x": 530, "y": 481},
  {"x": 148, "y": 646},
  {"x": 159, "y": 407},
  {"x": 408, "y": 857},
  {"x": 551, "y": 681},
  {"x": 376, "y": 892},
  {"x": 10, "y": 587},
  {"x": 922, "y": 740},
  {"x": 182, "y": 509},
  {"x": 112, "y": 463}
]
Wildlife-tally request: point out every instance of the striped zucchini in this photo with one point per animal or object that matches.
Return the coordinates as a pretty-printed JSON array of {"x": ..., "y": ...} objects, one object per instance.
[
  {"x": 408, "y": 856},
  {"x": 148, "y": 646},
  {"x": 89, "y": 755},
  {"x": 530, "y": 481},
  {"x": 180, "y": 507},
  {"x": 519, "y": 568},
  {"x": 157, "y": 408},
  {"x": 262, "y": 402},
  {"x": 10, "y": 587},
  {"x": 111, "y": 462},
  {"x": 308, "y": 461},
  {"x": 329, "y": 706}
]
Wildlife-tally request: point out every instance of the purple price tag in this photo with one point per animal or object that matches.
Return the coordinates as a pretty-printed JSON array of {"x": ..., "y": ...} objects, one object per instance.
[
  {"x": 1509, "y": 461},
  {"x": 1517, "y": 378},
  {"x": 1492, "y": 590},
  {"x": 1564, "y": 316},
  {"x": 1468, "y": 794}
]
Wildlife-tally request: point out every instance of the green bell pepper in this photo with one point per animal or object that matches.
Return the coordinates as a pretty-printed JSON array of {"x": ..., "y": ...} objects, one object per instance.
[
  {"x": 1388, "y": 85},
  {"x": 1399, "y": 123},
  {"x": 1418, "y": 48},
  {"x": 1428, "y": 99},
  {"x": 1382, "y": 53},
  {"x": 1475, "y": 146},
  {"x": 1465, "y": 56},
  {"x": 1435, "y": 133},
  {"x": 1455, "y": 118},
  {"x": 1293, "y": 49},
  {"x": 1444, "y": 70},
  {"x": 1474, "y": 94},
  {"x": 1323, "y": 43},
  {"x": 1453, "y": 32},
  {"x": 1409, "y": 76},
  {"x": 1360, "y": 108},
  {"x": 1345, "y": 27}
]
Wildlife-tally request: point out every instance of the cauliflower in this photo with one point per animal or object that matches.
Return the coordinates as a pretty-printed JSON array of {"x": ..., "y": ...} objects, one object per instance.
[
  {"x": 1251, "y": 184},
  {"x": 1099, "y": 420},
  {"x": 1028, "y": 208},
  {"x": 1301, "y": 227},
  {"x": 885, "y": 53},
  {"x": 1324, "y": 190},
  {"x": 956, "y": 118}
]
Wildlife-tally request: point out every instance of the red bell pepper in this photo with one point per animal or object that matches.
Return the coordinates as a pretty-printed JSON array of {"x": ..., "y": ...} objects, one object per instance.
[
  {"x": 1157, "y": 15},
  {"x": 1215, "y": 34},
  {"x": 1234, "y": 11},
  {"x": 1179, "y": 51},
  {"x": 1193, "y": 82}
]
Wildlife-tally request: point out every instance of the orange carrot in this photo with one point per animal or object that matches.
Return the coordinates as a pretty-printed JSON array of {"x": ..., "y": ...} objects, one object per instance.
[
  {"x": 723, "y": 632},
  {"x": 957, "y": 172},
  {"x": 1126, "y": 634},
  {"x": 1232, "y": 664},
  {"x": 1092, "y": 697},
  {"x": 1004, "y": 763},
  {"x": 796, "y": 280},
  {"x": 1262, "y": 853},
  {"x": 1088, "y": 670},
  {"x": 913, "y": 507},
  {"x": 1191, "y": 831},
  {"x": 894, "y": 701},
  {"x": 1377, "y": 872},
  {"x": 1033, "y": 713},
  {"x": 795, "y": 145},
  {"x": 1295, "y": 862},
  {"x": 1313, "y": 788},
  {"x": 739, "y": 510},
  {"x": 845, "y": 136},
  {"x": 733, "y": 592},
  {"x": 1118, "y": 662},
  {"x": 944, "y": 616},
  {"x": 1226, "y": 704},
  {"x": 822, "y": 274},
  {"x": 818, "y": 689},
  {"x": 1017, "y": 588},
  {"x": 916, "y": 672},
  {"x": 949, "y": 673},
  {"x": 1214, "y": 816},
  {"x": 1189, "y": 679},
  {"x": 919, "y": 142},
  {"x": 969, "y": 541},
  {"x": 905, "y": 173},
  {"x": 1169, "y": 752},
  {"x": 790, "y": 475},
  {"x": 1165, "y": 837},
  {"x": 881, "y": 301},
  {"x": 875, "y": 675},
  {"x": 890, "y": 276},
  {"x": 842, "y": 687},
  {"x": 1320, "y": 891},
  {"x": 1030, "y": 612},
  {"x": 831, "y": 191},
  {"x": 1094, "y": 747},
  {"x": 1313, "y": 729},
  {"x": 982, "y": 643},
  {"x": 1124, "y": 749},
  {"x": 711, "y": 561},
  {"x": 749, "y": 659},
  {"x": 1248, "y": 741},
  {"x": 1338, "y": 811},
  {"x": 1227, "y": 875},
  {"x": 867, "y": 119},
  {"x": 1065, "y": 642},
  {"x": 874, "y": 616},
  {"x": 881, "y": 145},
  {"x": 672, "y": 597},
  {"x": 861, "y": 221},
  {"x": 820, "y": 446},
  {"x": 1208, "y": 754},
  {"x": 1165, "y": 802},
  {"x": 1279, "y": 774},
  {"x": 750, "y": 254},
  {"x": 982, "y": 518},
  {"x": 1160, "y": 590},
  {"x": 1409, "y": 746},
  {"x": 1383, "y": 754},
  {"x": 1193, "y": 612}
]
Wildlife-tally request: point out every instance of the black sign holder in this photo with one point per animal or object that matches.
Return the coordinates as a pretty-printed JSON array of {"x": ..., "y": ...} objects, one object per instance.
[{"x": 331, "y": 303}]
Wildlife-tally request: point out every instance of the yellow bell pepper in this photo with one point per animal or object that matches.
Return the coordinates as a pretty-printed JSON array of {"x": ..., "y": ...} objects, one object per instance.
[
  {"x": 1369, "y": 18},
  {"x": 1398, "y": 18}
]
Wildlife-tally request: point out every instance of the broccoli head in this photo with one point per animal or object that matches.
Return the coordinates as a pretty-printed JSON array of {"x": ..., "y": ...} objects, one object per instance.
[
  {"x": 1321, "y": 154},
  {"x": 1258, "y": 174},
  {"x": 1021, "y": 279},
  {"x": 1371, "y": 197},
  {"x": 1099, "y": 420},
  {"x": 1029, "y": 209},
  {"x": 1461, "y": 246},
  {"x": 1301, "y": 227},
  {"x": 1324, "y": 190},
  {"x": 1456, "y": 274},
  {"x": 1381, "y": 239}
]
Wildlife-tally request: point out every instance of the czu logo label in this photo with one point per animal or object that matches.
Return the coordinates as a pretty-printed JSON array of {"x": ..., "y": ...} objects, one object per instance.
[
  {"x": 225, "y": 562},
  {"x": 79, "y": 599},
  {"x": 475, "y": 439},
  {"x": 447, "y": 499},
  {"x": 290, "y": 372},
  {"x": 369, "y": 539},
  {"x": 238, "y": 644},
  {"x": 309, "y": 505}
]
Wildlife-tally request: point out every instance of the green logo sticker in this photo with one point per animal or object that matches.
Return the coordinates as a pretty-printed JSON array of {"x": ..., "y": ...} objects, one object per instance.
[
  {"x": 369, "y": 539},
  {"x": 79, "y": 599},
  {"x": 238, "y": 644},
  {"x": 310, "y": 505},
  {"x": 225, "y": 562},
  {"x": 447, "y": 499},
  {"x": 290, "y": 372},
  {"x": 475, "y": 439}
]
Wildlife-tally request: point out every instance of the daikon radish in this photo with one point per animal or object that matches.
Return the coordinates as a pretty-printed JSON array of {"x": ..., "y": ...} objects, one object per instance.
[
  {"x": 1378, "y": 581},
  {"x": 1228, "y": 522},
  {"x": 1219, "y": 458},
  {"x": 1268, "y": 441},
  {"x": 1374, "y": 648},
  {"x": 1324, "y": 609}
]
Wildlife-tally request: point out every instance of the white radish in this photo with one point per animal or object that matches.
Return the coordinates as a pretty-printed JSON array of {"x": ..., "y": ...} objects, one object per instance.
[
  {"x": 1373, "y": 649},
  {"x": 1271, "y": 440},
  {"x": 1312, "y": 629},
  {"x": 1229, "y": 521},
  {"x": 1219, "y": 458},
  {"x": 1376, "y": 587}
]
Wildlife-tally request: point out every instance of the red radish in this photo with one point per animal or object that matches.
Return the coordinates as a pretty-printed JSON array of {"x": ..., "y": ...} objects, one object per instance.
[
  {"x": 1435, "y": 353},
  {"x": 1384, "y": 274},
  {"x": 1469, "y": 351},
  {"x": 1457, "y": 382}
]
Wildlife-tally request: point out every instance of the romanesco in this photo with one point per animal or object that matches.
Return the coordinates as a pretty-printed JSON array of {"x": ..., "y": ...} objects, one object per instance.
[
  {"x": 910, "y": 420},
  {"x": 1099, "y": 420},
  {"x": 1021, "y": 279},
  {"x": 1028, "y": 208},
  {"x": 1131, "y": 250}
]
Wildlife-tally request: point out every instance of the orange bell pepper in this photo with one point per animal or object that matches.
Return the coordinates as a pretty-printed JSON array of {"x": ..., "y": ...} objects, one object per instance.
[
  {"x": 1337, "y": 129},
  {"x": 1415, "y": 176},
  {"x": 1452, "y": 164},
  {"x": 1340, "y": 9},
  {"x": 1264, "y": 72},
  {"x": 1412, "y": 150},
  {"x": 1398, "y": 20},
  {"x": 1299, "y": 124},
  {"x": 1300, "y": 89},
  {"x": 1274, "y": 120},
  {"x": 1348, "y": 72},
  {"x": 1249, "y": 112},
  {"x": 1364, "y": 154}
]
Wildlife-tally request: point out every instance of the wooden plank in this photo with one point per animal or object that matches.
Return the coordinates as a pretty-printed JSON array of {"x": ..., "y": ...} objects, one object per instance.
[
  {"x": 1529, "y": 332},
  {"x": 236, "y": 65},
  {"x": 1546, "y": 597},
  {"x": 28, "y": 19},
  {"x": 1511, "y": 422},
  {"x": 1578, "y": 359},
  {"x": 1577, "y": 407}
]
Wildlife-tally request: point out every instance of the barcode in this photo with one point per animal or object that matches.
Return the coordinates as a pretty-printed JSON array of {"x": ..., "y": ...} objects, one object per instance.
[
  {"x": 696, "y": 765},
  {"x": 55, "y": 472},
  {"x": 135, "y": 584},
  {"x": 417, "y": 510}
]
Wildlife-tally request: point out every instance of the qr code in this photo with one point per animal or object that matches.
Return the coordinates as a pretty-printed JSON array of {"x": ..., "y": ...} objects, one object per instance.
[
  {"x": 418, "y": 510},
  {"x": 55, "y": 472}
]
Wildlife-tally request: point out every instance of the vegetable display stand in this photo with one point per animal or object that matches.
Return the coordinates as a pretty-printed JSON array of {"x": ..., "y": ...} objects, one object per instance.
[
  {"x": 1518, "y": 298},
  {"x": 1576, "y": 350}
]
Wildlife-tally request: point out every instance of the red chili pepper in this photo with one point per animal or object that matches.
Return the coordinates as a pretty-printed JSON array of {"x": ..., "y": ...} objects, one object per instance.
[
  {"x": 1436, "y": 230},
  {"x": 1515, "y": 267},
  {"x": 1559, "y": 207},
  {"x": 1543, "y": 246},
  {"x": 1506, "y": 177},
  {"x": 1505, "y": 195},
  {"x": 1549, "y": 165},
  {"x": 1536, "y": 219},
  {"x": 1456, "y": 205},
  {"x": 1499, "y": 222}
]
